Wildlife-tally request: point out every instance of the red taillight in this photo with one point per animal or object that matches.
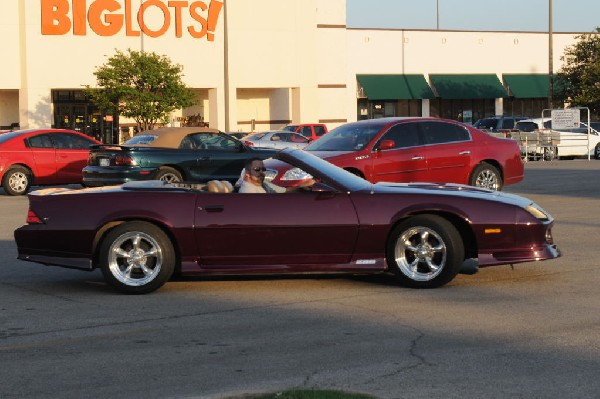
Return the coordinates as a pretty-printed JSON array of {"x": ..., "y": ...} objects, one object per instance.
[
  {"x": 249, "y": 143},
  {"x": 32, "y": 218},
  {"x": 124, "y": 160}
]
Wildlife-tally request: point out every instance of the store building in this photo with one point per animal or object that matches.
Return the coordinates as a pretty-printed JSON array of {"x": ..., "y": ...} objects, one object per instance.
[{"x": 260, "y": 64}]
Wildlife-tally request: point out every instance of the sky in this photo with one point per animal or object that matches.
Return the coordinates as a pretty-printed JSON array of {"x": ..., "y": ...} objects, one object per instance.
[{"x": 493, "y": 15}]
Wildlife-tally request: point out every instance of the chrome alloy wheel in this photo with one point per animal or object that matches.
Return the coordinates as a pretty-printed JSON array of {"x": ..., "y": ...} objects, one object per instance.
[
  {"x": 170, "y": 178},
  {"x": 135, "y": 258},
  {"x": 420, "y": 253},
  {"x": 487, "y": 179},
  {"x": 18, "y": 182}
]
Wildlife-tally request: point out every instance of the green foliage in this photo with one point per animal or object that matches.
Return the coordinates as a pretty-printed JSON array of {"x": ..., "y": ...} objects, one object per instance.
[
  {"x": 143, "y": 86},
  {"x": 580, "y": 76}
]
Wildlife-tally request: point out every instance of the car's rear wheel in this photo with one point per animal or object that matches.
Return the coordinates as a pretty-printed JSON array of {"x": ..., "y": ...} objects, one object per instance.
[
  {"x": 17, "y": 180},
  {"x": 425, "y": 251},
  {"x": 137, "y": 258},
  {"x": 168, "y": 175},
  {"x": 549, "y": 153},
  {"x": 486, "y": 176},
  {"x": 597, "y": 151}
]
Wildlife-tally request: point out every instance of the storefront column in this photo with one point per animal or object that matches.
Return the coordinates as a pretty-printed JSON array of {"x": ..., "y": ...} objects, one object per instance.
[
  {"x": 35, "y": 108},
  {"x": 296, "y": 114},
  {"x": 499, "y": 106},
  {"x": 425, "y": 107},
  {"x": 215, "y": 118}
]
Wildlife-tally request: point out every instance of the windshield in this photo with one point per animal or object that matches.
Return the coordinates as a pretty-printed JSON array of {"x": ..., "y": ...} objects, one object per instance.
[
  {"x": 526, "y": 126},
  {"x": 487, "y": 123},
  {"x": 141, "y": 139},
  {"x": 290, "y": 128},
  {"x": 254, "y": 137},
  {"x": 349, "y": 137}
]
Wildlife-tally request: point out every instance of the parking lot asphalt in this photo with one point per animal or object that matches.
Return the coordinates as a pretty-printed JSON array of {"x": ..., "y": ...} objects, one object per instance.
[{"x": 529, "y": 331}]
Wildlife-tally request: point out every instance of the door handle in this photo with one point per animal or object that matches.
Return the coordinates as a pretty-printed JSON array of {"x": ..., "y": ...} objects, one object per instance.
[
  {"x": 205, "y": 158},
  {"x": 417, "y": 157},
  {"x": 466, "y": 152},
  {"x": 212, "y": 208}
]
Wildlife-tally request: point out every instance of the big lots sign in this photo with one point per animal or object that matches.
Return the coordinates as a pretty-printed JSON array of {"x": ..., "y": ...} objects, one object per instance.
[{"x": 113, "y": 17}]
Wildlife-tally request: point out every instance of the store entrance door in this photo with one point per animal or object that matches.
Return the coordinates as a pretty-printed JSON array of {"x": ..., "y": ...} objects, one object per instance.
[{"x": 73, "y": 111}]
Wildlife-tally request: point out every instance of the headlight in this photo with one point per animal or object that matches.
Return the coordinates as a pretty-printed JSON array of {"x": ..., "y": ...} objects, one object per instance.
[
  {"x": 296, "y": 174},
  {"x": 537, "y": 212}
]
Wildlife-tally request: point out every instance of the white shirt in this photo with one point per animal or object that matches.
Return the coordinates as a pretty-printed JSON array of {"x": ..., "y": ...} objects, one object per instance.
[{"x": 266, "y": 187}]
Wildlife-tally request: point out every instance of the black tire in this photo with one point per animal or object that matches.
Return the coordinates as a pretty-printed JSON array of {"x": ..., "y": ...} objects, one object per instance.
[
  {"x": 17, "y": 180},
  {"x": 425, "y": 251},
  {"x": 597, "y": 152},
  {"x": 168, "y": 175},
  {"x": 137, "y": 258},
  {"x": 486, "y": 176}
]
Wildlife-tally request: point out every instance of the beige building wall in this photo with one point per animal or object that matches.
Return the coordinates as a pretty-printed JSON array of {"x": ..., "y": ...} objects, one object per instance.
[
  {"x": 375, "y": 51},
  {"x": 269, "y": 62}
]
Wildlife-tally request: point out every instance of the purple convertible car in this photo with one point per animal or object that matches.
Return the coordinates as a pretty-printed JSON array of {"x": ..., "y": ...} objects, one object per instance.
[{"x": 141, "y": 233}]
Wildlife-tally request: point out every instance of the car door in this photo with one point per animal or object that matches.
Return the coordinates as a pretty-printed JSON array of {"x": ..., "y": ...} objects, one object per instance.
[
  {"x": 448, "y": 151},
  {"x": 216, "y": 157},
  {"x": 72, "y": 153},
  {"x": 405, "y": 161},
  {"x": 275, "y": 229},
  {"x": 44, "y": 158}
]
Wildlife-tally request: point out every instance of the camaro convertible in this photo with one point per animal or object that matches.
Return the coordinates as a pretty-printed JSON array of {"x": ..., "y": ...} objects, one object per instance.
[{"x": 141, "y": 233}]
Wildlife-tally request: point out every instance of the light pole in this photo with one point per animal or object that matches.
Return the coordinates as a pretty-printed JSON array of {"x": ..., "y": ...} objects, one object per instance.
[
  {"x": 437, "y": 13},
  {"x": 550, "y": 56}
]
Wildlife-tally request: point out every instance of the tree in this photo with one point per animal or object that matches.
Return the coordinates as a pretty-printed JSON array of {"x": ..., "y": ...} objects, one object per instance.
[
  {"x": 579, "y": 78},
  {"x": 139, "y": 85}
]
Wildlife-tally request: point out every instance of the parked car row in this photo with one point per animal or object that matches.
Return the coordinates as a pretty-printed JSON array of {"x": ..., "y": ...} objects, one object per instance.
[{"x": 378, "y": 150}]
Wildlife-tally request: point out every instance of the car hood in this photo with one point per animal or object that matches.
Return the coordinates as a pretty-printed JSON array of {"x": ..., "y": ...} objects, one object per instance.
[{"x": 446, "y": 189}]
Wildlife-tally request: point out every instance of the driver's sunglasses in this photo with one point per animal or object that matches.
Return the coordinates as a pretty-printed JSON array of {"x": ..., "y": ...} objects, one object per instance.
[{"x": 263, "y": 169}]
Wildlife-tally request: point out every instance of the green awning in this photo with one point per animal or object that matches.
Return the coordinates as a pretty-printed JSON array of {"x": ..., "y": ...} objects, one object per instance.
[
  {"x": 531, "y": 85},
  {"x": 457, "y": 87},
  {"x": 395, "y": 87},
  {"x": 523, "y": 85}
]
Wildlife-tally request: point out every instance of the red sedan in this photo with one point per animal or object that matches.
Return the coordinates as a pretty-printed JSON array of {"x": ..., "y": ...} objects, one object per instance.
[
  {"x": 415, "y": 149},
  {"x": 42, "y": 157}
]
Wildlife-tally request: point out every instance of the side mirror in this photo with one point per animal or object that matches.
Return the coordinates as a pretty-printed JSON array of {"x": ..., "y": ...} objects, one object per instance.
[
  {"x": 323, "y": 188},
  {"x": 386, "y": 145}
]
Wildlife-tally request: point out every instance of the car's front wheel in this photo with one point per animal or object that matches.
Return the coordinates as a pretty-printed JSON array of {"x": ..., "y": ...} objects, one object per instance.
[
  {"x": 137, "y": 258},
  {"x": 425, "y": 251},
  {"x": 486, "y": 176},
  {"x": 17, "y": 180},
  {"x": 168, "y": 175},
  {"x": 597, "y": 151}
]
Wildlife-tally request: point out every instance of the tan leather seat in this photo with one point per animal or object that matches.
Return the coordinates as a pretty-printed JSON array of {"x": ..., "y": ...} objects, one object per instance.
[
  {"x": 228, "y": 187},
  {"x": 216, "y": 186}
]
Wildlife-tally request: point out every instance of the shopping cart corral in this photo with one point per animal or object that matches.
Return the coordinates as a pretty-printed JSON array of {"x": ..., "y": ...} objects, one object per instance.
[{"x": 535, "y": 146}]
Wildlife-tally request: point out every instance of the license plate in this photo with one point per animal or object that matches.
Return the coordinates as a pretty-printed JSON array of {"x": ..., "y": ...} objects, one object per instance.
[{"x": 104, "y": 162}]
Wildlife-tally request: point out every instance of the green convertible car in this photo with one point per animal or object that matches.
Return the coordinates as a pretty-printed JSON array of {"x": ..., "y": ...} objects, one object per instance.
[{"x": 172, "y": 155}]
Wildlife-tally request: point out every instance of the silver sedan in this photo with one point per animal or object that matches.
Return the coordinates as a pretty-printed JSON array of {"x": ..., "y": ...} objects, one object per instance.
[{"x": 276, "y": 139}]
